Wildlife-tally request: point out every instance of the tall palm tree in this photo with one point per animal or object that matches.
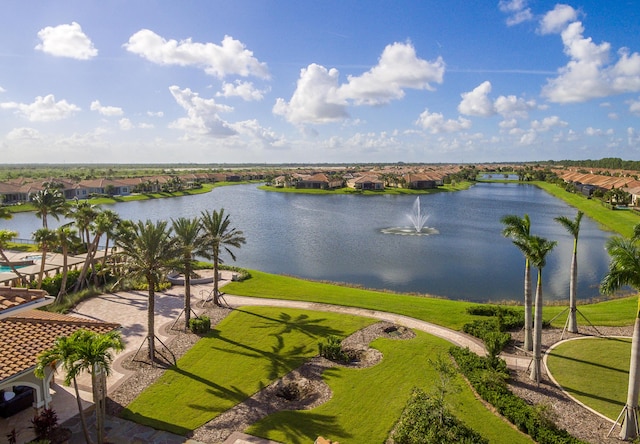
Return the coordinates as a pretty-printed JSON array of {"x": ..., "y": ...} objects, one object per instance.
[
  {"x": 84, "y": 213},
  {"x": 187, "y": 231},
  {"x": 65, "y": 237},
  {"x": 219, "y": 235},
  {"x": 624, "y": 269},
  {"x": 85, "y": 350},
  {"x": 49, "y": 202},
  {"x": 106, "y": 224},
  {"x": 518, "y": 229},
  {"x": 540, "y": 247},
  {"x": 7, "y": 236},
  {"x": 149, "y": 253},
  {"x": 46, "y": 240},
  {"x": 573, "y": 227}
]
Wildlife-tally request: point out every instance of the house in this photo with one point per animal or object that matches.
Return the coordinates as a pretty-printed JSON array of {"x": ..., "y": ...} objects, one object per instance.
[
  {"x": 367, "y": 182},
  {"x": 25, "y": 333},
  {"x": 420, "y": 181},
  {"x": 319, "y": 181}
]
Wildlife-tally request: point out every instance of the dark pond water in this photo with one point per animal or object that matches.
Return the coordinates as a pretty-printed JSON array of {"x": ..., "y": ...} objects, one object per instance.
[{"x": 338, "y": 238}]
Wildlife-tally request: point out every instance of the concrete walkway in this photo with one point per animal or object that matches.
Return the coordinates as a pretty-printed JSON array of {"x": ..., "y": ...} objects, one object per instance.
[{"x": 129, "y": 309}]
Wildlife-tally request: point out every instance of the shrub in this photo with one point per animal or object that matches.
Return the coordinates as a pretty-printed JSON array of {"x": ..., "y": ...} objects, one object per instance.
[
  {"x": 332, "y": 349},
  {"x": 200, "y": 324},
  {"x": 45, "y": 423},
  {"x": 425, "y": 420},
  {"x": 490, "y": 384}
]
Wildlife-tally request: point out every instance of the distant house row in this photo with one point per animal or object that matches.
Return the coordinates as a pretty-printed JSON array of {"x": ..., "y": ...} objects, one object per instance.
[
  {"x": 363, "y": 181},
  {"x": 20, "y": 190},
  {"x": 587, "y": 183}
]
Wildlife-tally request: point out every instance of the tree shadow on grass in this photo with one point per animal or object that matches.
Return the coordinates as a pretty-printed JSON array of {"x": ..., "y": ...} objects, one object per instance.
[
  {"x": 301, "y": 427},
  {"x": 591, "y": 363},
  {"x": 303, "y": 323}
]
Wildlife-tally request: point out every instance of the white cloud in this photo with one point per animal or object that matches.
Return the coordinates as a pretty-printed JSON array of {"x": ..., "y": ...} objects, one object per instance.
[
  {"x": 590, "y": 131},
  {"x": 513, "y": 107},
  {"x": 315, "y": 99},
  {"x": 555, "y": 20},
  {"x": 634, "y": 106},
  {"x": 245, "y": 90},
  {"x": 229, "y": 58},
  {"x": 588, "y": 74},
  {"x": 477, "y": 102},
  {"x": 257, "y": 132},
  {"x": 517, "y": 10},
  {"x": 436, "y": 123},
  {"x": 398, "y": 67},
  {"x": 548, "y": 123},
  {"x": 66, "y": 41},
  {"x": 125, "y": 124},
  {"x": 23, "y": 134},
  {"x": 155, "y": 113},
  {"x": 106, "y": 110},
  {"x": 202, "y": 115},
  {"x": 43, "y": 109},
  {"x": 2, "y": 89},
  {"x": 319, "y": 98}
]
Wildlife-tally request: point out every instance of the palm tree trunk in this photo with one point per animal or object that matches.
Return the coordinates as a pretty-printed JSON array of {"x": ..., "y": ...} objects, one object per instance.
[
  {"x": 87, "y": 261},
  {"x": 65, "y": 273},
  {"x": 216, "y": 298},
  {"x": 42, "y": 265},
  {"x": 573, "y": 320},
  {"x": 99, "y": 389},
  {"x": 187, "y": 296},
  {"x": 83, "y": 421},
  {"x": 104, "y": 260},
  {"x": 630, "y": 421},
  {"x": 151, "y": 319},
  {"x": 537, "y": 337},
  {"x": 8, "y": 262},
  {"x": 528, "y": 309}
]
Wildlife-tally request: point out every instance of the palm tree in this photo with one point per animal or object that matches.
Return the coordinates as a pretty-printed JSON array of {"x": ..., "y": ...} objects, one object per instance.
[
  {"x": 66, "y": 236},
  {"x": 106, "y": 223},
  {"x": 573, "y": 227},
  {"x": 4, "y": 211},
  {"x": 149, "y": 254},
  {"x": 187, "y": 232},
  {"x": 624, "y": 269},
  {"x": 518, "y": 229},
  {"x": 49, "y": 202},
  {"x": 540, "y": 247},
  {"x": 84, "y": 213},
  {"x": 90, "y": 351},
  {"x": 46, "y": 240},
  {"x": 218, "y": 234}
]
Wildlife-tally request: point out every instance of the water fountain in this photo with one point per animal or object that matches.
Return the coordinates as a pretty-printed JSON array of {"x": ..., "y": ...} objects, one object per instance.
[{"x": 418, "y": 222}]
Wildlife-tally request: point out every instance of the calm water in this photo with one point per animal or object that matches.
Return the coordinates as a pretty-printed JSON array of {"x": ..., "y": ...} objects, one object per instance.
[{"x": 338, "y": 238}]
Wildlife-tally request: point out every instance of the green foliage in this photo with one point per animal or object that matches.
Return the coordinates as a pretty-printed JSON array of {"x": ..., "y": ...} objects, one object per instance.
[
  {"x": 332, "y": 349},
  {"x": 425, "y": 420},
  {"x": 492, "y": 331},
  {"x": 490, "y": 384},
  {"x": 52, "y": 284},
  {"x": 200, "y": 325}
]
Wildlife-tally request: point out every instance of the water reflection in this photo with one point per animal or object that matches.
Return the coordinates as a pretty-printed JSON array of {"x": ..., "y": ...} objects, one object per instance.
[{"x": 338, "y": 238}]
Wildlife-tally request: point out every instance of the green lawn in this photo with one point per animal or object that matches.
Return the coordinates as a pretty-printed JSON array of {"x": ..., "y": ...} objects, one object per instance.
[
  {"x": 595, "y": 371},
  {"x": 445, "y": 312},
  {"x": 367, "y": 402},
  {"x": 247, "y": 350},
  {"x": 254, "y": 346}
]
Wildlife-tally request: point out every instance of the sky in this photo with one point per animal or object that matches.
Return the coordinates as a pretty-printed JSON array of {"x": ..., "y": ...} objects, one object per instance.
[{"x": 301, "y": 81}]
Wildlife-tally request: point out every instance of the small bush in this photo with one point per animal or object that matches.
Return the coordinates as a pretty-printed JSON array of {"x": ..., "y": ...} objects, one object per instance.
[
  {"x": 332, "y": 349},
  {"x": 425, "y": 420},
  {"x": 490, "y": 384},
  {"x": 200, "y": 325},
  {"x": 44, "y": 424}
]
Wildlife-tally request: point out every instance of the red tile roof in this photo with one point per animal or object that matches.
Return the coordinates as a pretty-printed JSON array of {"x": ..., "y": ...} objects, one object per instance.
[{"x": 24, "y": 336}]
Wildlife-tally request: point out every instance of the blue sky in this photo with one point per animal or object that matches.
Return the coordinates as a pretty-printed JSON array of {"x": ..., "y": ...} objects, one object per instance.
[{"x": 318, "y": 81}]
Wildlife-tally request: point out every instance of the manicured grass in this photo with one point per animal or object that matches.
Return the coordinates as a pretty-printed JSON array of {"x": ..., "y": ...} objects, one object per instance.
[
  {"x": 366, "y": 403},
  {"x": 595, "y": 371},
  {"x": 443, "y": 312},
  {"x": 618, "y": 221},
  {"x": 448, "y": 313},
  {"x": 247, "y": 350}
]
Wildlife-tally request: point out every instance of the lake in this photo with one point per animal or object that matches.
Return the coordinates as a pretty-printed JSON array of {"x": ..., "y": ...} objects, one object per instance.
[{"x": 338, "y": 238}]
